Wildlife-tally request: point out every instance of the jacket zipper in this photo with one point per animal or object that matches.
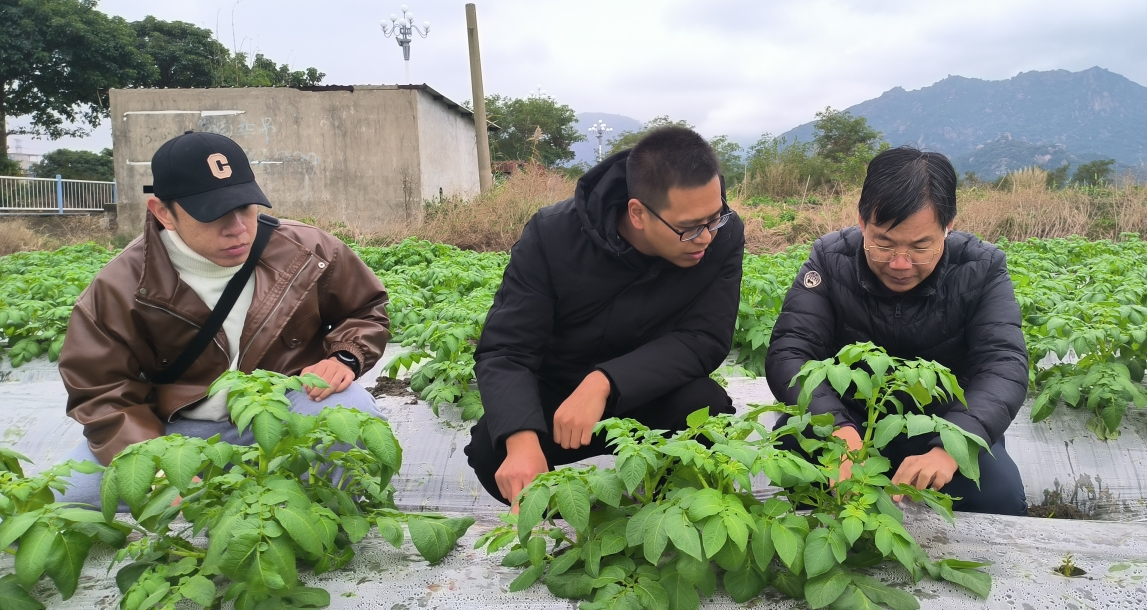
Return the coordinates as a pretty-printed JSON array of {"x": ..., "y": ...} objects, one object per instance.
[
  {"x": 243, "y": 353},
  {"x": 897, "y": 309}
]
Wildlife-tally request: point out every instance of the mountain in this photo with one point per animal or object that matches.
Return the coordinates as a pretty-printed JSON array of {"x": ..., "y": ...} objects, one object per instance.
[
  {"x": 1034, "y": 118},
  {"x": 587, "y": 151}
]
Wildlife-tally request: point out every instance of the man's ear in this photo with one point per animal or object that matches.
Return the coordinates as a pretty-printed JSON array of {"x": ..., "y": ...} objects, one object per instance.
[
  {"x": 860, "y": 221},
  {"x": 636, "y": 213},
  {"x": 161, "y": 213}
]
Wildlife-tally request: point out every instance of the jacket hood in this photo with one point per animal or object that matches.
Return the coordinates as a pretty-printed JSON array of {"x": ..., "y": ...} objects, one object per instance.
[{"x": 600, "y": 196}]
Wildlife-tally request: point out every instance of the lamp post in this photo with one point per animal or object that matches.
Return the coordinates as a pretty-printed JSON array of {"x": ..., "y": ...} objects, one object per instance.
[
  {"x": 599, "y": 130},
  {"x": 401, "y": 29}
]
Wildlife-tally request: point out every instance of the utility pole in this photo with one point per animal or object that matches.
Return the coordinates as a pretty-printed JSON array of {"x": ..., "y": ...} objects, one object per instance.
[{"x": 485, "y": 178}]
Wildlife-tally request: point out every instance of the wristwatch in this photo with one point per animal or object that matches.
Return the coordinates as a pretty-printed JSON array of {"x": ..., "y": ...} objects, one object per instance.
[{"x": 348, "y": 359}]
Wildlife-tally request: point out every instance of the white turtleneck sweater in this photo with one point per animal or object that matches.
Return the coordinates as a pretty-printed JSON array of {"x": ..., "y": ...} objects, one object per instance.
[{"x": 208, "y": 281}]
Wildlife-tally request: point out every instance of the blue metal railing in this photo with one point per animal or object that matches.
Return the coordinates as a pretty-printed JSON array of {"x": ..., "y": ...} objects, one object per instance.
[{"x": 47, "y": 195}]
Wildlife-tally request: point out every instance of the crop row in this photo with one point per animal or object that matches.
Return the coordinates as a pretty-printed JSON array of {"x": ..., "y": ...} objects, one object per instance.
[{"x": 1083, "y": 301}]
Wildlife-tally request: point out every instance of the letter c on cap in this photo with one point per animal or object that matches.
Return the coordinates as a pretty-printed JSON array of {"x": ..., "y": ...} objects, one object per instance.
[{"x": 219, "y": 167}]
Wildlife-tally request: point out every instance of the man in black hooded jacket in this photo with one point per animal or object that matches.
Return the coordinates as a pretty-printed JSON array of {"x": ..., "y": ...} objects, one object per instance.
[
  {"x": 906, "y": 282},
  {"x": 618, "y": 302}
]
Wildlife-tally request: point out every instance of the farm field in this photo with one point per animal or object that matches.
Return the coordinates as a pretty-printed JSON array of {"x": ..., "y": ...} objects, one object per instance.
[{"x": 1083, "y": 304}]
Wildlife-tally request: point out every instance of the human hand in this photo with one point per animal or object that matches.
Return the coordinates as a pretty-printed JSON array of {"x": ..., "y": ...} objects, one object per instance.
[
  {"x": 524, "y": 461},
  {"x": 934, "y": 469},
  {"x": 575, "y": 418},
  {"x": 337, "y": 375},
  {"x": 852, "y": 437}
]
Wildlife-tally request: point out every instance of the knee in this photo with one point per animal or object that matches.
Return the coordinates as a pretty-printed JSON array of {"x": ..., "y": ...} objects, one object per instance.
[{"x": 704, "y": 392}]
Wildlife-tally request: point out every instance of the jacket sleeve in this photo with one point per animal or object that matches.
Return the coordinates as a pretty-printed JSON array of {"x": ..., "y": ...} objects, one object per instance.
[
  {"x": 516, "y": 332},
  {"x": 105, "y": 390},
  {"x": 804, "y": 331},
  {"x": 698, "y": 344},
  {"x": 997, "y": 373},
  {"x": 353, "y": 301}
]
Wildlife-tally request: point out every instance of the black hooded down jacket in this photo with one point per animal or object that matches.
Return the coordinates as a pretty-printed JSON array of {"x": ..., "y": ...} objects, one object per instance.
[
  {"x": 576, "y": 297},
  {"x": 964, "y": 316}
]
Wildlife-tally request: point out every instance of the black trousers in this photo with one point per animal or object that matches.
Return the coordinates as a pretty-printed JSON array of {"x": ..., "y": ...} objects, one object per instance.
[
  {"x": 1001, "y": 490},
  {"x": 666, "y": 412}
]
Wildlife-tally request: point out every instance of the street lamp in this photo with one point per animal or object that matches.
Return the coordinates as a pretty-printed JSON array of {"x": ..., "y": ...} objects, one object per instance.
[
  {"x": 599, "y": 130},
  {"x": 401, "y": 29}
]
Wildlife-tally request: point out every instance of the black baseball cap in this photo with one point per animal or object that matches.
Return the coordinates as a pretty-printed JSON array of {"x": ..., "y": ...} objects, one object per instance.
[{"x": 206, "y": 173}]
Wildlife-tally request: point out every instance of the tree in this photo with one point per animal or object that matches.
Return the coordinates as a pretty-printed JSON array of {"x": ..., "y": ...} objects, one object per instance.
[
  {"x": 629, "y": 139},
  {"x": 535, "y": 128},
  {"x": 732, "y": 158},
  {"x": 184, "y": 55},
  {"x": 1057, "y": 178},
  {"x": 76, "y": 165},
  {"x": 839, "y": 135},
  {"x": 1094, "y": 173},
  {"x": 58, "y": 58},
  {"x": 8, "y": 167}
]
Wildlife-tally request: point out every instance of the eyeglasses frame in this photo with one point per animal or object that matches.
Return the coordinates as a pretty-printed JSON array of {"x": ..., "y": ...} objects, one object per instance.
[
  {"x": 905, "y": 252},
  {"x": 726, "y": 214}
]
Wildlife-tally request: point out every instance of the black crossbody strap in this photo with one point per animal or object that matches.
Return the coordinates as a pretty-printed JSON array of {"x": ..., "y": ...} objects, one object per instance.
[{"x": 191, "y": 353}]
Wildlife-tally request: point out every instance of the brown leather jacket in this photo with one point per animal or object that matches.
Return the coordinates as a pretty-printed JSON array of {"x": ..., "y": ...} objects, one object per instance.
[{"x": 313, "y": 297}]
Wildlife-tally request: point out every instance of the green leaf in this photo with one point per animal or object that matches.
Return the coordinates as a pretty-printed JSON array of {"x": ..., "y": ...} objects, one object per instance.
[
  {"x": 744, "y": 584},
  {"x": 391, "y": 531},
  {"x": 607, "y": 486},
  {"x": 13, "y": 597},
  {"x": 840, "y": 376},
  {"x": 573, "y": 502},
  {"x": 134, "y": 475},
  {"x": 66, "y": 559},
  {"x": 714, "y": 534},
  {"x": 280, "y": 558},
  {"x": 433, "y": 539},
  {"x": 684, "y": 535},
  {"x": 975, "y": 581},
  {"x": 563, "y": 562},
  {"x": 887, "y": 429},
  {"x": 310, "y": 597},
  {"x": 657, "y": 534},
  {"x": 824, "y": 589},
  {"x": 787, "y": 543},
  {"x": 881, "y": 593},
  {"x": 704, "y": 503},
  {"x": 13, "y": 527},
  {"x": 379, "y": 440},
  {"x": 343, "y": 423},
  {"x": 536, "y": 548},
  {"x": 532, "y": 508},
  {"x": 527, "y": 578},
  {"x": 263, "y": 574},
  {"x": 762, "y": 544},
  {"x": 300, "y": 525},
  {"x": 863, "y": 383},
  {"x": 818, "y": 555},
  {"x": 31, "y": 557},
  {"x": 957, "y": 446},
  {"x": 180, "y": 464},
  {"x": 199, "y": 590},
  {"x": 682, "y": 594},
  {"x": 919, "y": 424},
  {"x": 355, "y": 527},
  {"x": 158, "y": 502},
  {"x": 1044, "y": 406},
  {"x": 651, "y": 594},
  {"x": 268, "y": 430},
  {"x": 697, "y": 418}
]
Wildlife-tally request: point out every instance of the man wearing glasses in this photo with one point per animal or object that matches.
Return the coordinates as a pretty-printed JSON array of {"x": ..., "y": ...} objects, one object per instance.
[
  {"x": 618, "y": 302},
  {"x": 903, "y": 280}
]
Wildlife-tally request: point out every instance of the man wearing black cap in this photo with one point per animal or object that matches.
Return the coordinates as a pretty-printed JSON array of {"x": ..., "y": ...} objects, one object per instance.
[{"x": 285, "y": 296}]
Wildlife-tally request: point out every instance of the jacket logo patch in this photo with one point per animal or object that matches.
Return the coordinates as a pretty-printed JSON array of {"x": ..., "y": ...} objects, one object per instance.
[{"x": 811, "y": 279}]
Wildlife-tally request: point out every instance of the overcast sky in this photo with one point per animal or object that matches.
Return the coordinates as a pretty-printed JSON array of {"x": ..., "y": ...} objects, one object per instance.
[{"x": 729, "y": 67}]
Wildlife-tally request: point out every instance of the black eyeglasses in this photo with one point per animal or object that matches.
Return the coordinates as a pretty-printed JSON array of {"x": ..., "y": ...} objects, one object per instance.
[{"x": 692, "y": 233}]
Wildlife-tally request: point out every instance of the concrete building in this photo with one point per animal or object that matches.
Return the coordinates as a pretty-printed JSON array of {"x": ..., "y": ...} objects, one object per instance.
[{"x": 368, "y": 156}]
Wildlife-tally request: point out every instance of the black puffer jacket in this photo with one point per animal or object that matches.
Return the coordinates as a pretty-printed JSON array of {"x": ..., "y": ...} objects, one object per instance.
[
  {"x": 576, "y": 297},
  {"x": 964, "y": 315}
]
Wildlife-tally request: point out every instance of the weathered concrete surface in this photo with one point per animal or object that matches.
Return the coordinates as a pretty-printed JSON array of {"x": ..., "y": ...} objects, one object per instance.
[
  {"x": 435, "y": 477},
  {"x": 371, "y": 155}
]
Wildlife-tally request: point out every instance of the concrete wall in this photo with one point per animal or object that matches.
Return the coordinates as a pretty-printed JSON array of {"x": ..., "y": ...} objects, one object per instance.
[{"x": 367, "y": 158}]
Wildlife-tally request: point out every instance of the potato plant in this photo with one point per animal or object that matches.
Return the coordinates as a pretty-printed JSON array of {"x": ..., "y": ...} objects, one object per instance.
[
  {"x": 310, "y": 488},
  {"x": 47, "y": 537},
  {"x": 676, "y": 516}
]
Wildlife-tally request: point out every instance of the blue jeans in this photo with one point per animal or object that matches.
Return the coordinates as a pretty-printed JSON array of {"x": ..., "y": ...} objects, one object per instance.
[{"x": 86, "y": 487}]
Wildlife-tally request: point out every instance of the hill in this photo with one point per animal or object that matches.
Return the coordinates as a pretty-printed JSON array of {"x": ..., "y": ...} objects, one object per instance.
[{"x": 1035, "y": 118}]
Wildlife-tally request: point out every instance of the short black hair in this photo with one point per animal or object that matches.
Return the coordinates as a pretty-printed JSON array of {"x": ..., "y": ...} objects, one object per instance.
[
  {"x": 669, "y": 157},
  {"x": 169, "y": 204},
  {"x": 902, "y": 180}
]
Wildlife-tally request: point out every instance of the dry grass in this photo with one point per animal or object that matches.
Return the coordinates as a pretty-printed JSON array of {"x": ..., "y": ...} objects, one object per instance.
[
  {"x": 1023, "y": 208},
  {"x": 26, "y": 233}
]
